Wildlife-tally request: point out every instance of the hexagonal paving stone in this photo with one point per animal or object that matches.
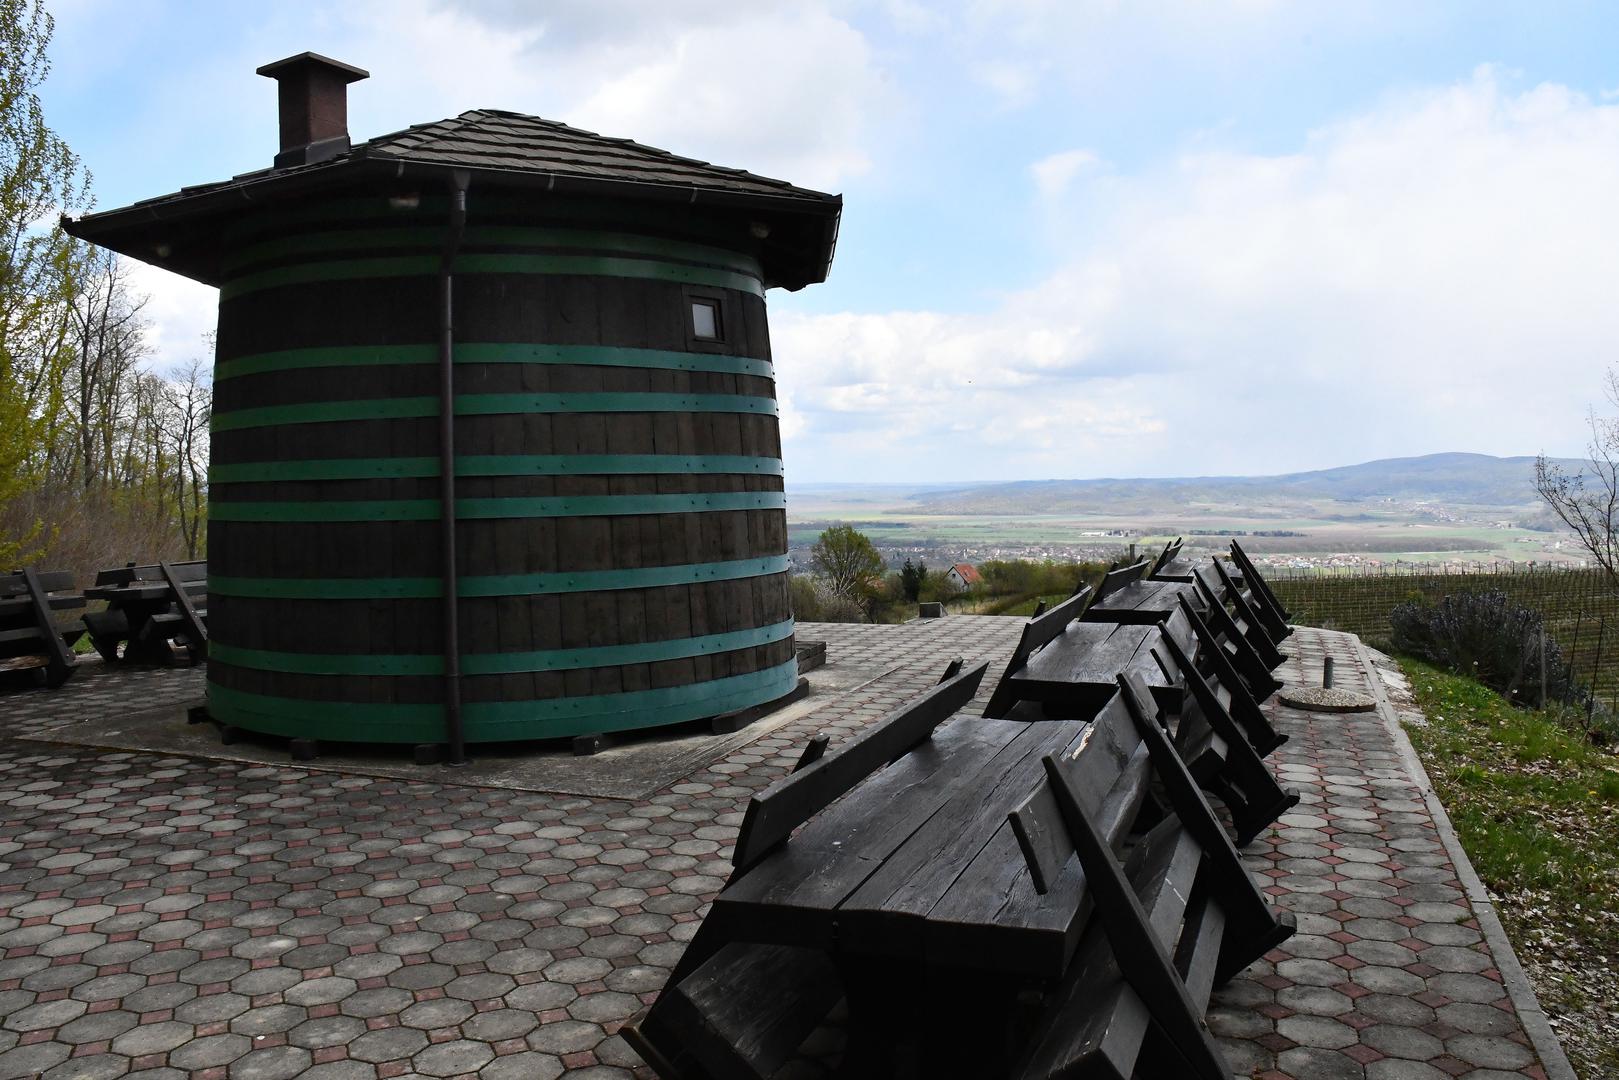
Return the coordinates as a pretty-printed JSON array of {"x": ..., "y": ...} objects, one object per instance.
[
  {"x": 322, "y": 991},
  {"x": 271, "y": 1063},
  {"x": 566, "y": 1037},
  {"x": 528, "y": 1065},
  {"x": 453, "y": 1058},
  {"x": 156, "y": 1038},
  {"x": 90, "y": 1067},
  {"x": 269, "y": 1019},
  {"x": 480, "y": 986},
  {"x": 209, "y": 1051},
  {"x": 387, "y": 1044},
  {"x": 322, "y": 1031},
  {"x": 436, "y": 1013},
  {"x": 500, "y": 1024},
  {"x": 34, "y": 1058},
  {"x": 379, "y": 1001}
]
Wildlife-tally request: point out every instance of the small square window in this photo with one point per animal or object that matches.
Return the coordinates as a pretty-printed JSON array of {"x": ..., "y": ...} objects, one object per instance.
[{"x": 705, "y": 320}]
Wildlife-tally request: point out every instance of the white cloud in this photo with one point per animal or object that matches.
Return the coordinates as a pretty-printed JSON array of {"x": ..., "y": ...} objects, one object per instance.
[
  {"x": 788, "y": 90},
  {"x": 179, "y": 314},
  {"x": 1434, "y": 274},
  {"x": 1053, "y": 174}
]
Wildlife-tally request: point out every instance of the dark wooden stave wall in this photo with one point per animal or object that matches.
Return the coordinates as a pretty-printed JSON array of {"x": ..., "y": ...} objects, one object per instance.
[{"x": 491, "y": 307}]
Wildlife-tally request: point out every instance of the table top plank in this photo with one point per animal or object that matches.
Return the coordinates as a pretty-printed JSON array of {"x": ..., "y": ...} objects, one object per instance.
[
  {"x": 885, "y": 913},
  {"x": 791, "y": 895},
  {"x": 1026, "y": 932},
  {"x": 1138, "y": 602}
]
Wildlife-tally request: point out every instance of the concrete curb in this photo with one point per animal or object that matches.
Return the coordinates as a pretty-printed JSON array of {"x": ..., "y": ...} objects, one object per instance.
[{"x": 1535, "y": 1024}]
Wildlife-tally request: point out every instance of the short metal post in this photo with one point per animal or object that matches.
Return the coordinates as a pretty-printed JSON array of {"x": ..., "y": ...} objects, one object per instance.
[{"x": 1326, "y": 674}]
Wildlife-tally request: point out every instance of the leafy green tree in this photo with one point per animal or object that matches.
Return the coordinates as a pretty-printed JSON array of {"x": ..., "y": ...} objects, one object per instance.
[
  {"x": 850, "y": 564},
  {"x": 39, "y": 264}
]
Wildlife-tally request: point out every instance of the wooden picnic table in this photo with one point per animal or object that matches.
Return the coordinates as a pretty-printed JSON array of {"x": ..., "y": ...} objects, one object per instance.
[
  {"x": 919, "y": 864},
  {"x": 1143, "y": 602},
  {"x": 31, "y": 640},
  {"x": 147, "y": 607},
  {"x": 1080, "y": 667}
]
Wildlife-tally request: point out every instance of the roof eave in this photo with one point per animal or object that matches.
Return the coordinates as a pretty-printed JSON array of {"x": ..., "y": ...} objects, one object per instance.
[{"x": 128, "y": 230}]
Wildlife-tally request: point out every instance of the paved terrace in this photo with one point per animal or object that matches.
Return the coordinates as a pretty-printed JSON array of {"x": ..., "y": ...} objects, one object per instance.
[{"x": 164, "y": 916}]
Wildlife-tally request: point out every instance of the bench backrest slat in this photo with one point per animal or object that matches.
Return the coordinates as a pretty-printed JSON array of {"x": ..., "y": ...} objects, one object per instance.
[
  {"x": 1108, "y": 770},
  {"x": 195, "y": 571},
  {"x": 1241, "y": 701},
  {"x": 50, "y": 581},
  {"x": 774, "y": 813},
  {"x": 1254, "y": 580},
  {"x": 1171, "y": 552},
  {"x": 1114, "y": 580},
  {"x": 1259, "y": 621}
]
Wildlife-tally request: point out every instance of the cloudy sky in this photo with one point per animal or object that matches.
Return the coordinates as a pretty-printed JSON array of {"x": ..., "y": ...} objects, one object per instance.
[{"x": 1081, "y": 237}]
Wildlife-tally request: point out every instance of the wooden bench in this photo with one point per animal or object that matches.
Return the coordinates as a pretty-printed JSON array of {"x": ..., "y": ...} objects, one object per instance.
[
  {"x": 1255, "y": 582},
  {"x": 1037, "y": 633},
  {"x": 1064, "y": 937},
  {"x": 151, "y": 609},
  {"x": 1232, "y": 616},
  {"x": 1118, "y": 578},
  {"x": 1222, "y": 755},
  {"x": 1251, "y": 603},
  {"x": 1172, "y": 919},
  {"x": 1074, "y": 674},
  {"x": 1166, "y": 558},
  {"x": 1218, "y": 632},
  {"x": 1063, "y": 670},
  {"x": 1142, "y": 602},
  {"x": 30, "y": 639},
  {"x": 740, "y": 1009}
]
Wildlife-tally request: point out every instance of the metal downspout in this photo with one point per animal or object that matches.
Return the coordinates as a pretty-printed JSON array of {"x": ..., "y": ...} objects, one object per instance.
[{"x": 454, "y": 732}]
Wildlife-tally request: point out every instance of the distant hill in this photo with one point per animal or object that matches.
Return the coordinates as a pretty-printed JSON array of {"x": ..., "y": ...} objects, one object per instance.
[{"x": 1455, "y": 480}]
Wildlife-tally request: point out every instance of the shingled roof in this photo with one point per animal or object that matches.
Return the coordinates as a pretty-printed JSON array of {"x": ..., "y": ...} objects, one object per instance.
[
  {"x": 496, "y": 147},
  {"x": 494, "y": 139}
]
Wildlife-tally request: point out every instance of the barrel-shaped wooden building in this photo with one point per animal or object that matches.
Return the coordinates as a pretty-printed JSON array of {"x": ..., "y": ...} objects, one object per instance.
[{"x": 619, "y": 542}]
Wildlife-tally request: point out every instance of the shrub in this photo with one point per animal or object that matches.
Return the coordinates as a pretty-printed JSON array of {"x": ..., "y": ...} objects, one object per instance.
[
  {"x": 814, "y": 601},
  {"x": 1487, "y": 636}
]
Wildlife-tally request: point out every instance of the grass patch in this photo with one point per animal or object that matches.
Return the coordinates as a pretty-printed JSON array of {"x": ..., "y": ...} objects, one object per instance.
[{"x": 1537, "y": 809}]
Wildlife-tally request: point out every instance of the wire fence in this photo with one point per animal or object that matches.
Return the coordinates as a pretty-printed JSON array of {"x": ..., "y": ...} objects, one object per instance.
[{"x": 1580, "y": 606}]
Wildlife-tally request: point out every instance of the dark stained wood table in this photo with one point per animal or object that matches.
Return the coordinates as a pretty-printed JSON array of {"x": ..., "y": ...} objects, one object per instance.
[
  {"x": 1079, "y": 668},
  {"x": 1179, "y": 569},
  {"x": 920, "y": 864}
]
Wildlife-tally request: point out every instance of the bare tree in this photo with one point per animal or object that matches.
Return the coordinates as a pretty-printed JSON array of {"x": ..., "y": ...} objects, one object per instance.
[
  {"x": 190, "y": 401},
  {"x": 109, "y": 339},
  {"x": 1587, "y": 500}
]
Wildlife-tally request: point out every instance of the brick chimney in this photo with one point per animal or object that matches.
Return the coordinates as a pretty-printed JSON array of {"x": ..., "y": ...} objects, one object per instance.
[{"x": 313, "y": 93}]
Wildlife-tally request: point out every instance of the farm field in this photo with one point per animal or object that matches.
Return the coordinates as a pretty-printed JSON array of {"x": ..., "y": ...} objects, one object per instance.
[
  {"x": 1455, "y": 508},
  {"x": 897, "y": 522}
]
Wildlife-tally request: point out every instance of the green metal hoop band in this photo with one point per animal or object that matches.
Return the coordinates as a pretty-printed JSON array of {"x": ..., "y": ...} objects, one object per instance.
[
  {"x": 489, "y": 721},
  {"x": 322, "y": 412},
  {"x": 505, "y": 663},
  {"x": 430, "y": 239},
  {"x": 487, "y": 509},
  {"x": 570, "y": 581},
  {"x": 498, "y": 465},
  {"x": 473, "y": 263},
  {"x": 492, "y": 353}
]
